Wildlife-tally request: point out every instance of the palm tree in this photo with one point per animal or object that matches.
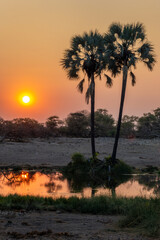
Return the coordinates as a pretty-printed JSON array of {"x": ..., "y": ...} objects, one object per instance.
[
  {"x": 87, "y": 55},
  {"x": 126, "y": 45}
]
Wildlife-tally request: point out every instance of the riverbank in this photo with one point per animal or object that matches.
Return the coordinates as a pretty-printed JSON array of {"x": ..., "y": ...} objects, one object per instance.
[
  {"x": 58, "y": 151},
  {"x": 98, "y": 218}
]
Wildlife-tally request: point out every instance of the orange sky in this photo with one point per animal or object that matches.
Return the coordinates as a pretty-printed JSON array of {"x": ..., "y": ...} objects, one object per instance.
[{"x": 34, "y": 35}]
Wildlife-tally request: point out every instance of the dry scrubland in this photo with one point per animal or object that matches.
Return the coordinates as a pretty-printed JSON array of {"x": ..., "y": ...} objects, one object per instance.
[{"x": 58, "y": 151}]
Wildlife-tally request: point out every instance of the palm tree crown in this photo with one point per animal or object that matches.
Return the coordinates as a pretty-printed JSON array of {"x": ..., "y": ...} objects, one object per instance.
[
  {"x": 87, "y": 55},
  {"x": 126, "y": 46}
]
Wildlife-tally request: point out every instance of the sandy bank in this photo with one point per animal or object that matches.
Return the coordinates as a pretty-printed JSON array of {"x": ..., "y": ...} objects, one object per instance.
[{"x": 58, "y": 151}]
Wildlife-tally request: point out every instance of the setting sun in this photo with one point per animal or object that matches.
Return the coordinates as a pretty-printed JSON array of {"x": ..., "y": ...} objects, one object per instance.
[{"x": 26, "y": 99}]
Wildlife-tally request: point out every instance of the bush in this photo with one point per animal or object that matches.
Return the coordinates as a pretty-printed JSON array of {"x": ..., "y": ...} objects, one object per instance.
[
  {"x": 78, "y": 167},
  {"x": 78, "y": 158},
  {"x": 121, "y": 168},
  {"x": 77, "y": 124}
]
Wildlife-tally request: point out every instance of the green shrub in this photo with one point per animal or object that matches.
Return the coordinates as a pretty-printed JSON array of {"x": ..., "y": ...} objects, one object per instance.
[
  {"x": 121, "y": 168},
  {"x": 78, "y": 158},
  {"x": 77, "y": 170}
]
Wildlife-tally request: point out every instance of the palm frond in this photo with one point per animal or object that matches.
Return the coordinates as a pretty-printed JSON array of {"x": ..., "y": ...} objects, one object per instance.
[
  {"x": 77, "y": 42},
  {"x": 127, "y": 33},
  {"x": 145, "y": 49},
  {"x": 80, "y": 85},
  {"x": 132, "y": 32},
  {"x": 65, "y": 63},
  {"x": 116, "y": 28},
  {"x": 151, "y": 58},
  {"x": 140, "y": 31},
  {"x": 111, "y": 48},
  {"x": 72, "y": 73},
  {"x": 149, "y": 65},
  {"x": 109, "y": 38},
  {"x": 88, "y": 93},
  {"x": 133, "y": 77},
  {"x": 109, "y": 81},
  {"x": 114, "y": 66},
  {"x": 132, "y": 60},
  {"x": 147, "y": 56}
]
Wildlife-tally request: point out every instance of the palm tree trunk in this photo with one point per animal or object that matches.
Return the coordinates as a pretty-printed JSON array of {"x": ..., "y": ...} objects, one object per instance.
[
  {"x": 92, "y": 116},
  {"x": 113, "y": 191},
  {"x": 124, "y": 83}
]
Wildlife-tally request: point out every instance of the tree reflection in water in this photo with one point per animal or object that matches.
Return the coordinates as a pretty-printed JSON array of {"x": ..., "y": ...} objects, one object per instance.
[
  {"x": 150, "y": 182},
  {"x": 52, "y": 185},
  {"x": 56, "y": 184},
  {"x": 77, "y": 182},
  {"x": 16, "y": 178}
]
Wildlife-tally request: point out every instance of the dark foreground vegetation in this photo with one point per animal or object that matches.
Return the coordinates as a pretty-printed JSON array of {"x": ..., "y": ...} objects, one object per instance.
[
  {"x": 78, "y": 125},
  {"x": 82, "y": 172},
  {"x": 137, "y": 212}
]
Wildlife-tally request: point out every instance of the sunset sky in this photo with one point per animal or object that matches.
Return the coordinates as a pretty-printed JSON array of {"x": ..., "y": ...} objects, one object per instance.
[{"x": 34, "y": 35}]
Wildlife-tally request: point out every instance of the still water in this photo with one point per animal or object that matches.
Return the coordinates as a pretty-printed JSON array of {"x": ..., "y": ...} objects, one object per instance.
[{"x": 56, "y": 185}]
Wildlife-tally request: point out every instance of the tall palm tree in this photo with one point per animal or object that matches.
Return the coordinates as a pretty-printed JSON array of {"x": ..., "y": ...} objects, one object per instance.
[
  {"x": 126, "y": 45},
  {"x": 87, "y": 56}
]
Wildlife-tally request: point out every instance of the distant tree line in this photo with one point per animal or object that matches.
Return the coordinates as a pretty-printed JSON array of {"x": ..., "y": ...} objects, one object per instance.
[{"x": 77, "y": 124}]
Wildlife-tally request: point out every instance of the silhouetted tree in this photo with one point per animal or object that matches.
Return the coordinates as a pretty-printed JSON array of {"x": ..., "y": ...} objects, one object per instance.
[
  {"x": 128, "y": 126},
  {"x": 53, "y": 124},
  {"x": 26, "y": 127},
  {"x": 20, "y": 128},
  {"x": 157, "y": 122},
  {"x": 104, "y": 124},
  {"x": 126, "y": 46},
  {"x": 149, "y": 125},
  {"x": 86, "y": 54},
  {"x": 78, "y": 124},
  {"x": 8, "y": 129}
]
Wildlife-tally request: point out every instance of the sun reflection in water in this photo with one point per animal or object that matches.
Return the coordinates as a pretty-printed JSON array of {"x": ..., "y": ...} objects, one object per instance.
[{"x": 24, "y": 175}]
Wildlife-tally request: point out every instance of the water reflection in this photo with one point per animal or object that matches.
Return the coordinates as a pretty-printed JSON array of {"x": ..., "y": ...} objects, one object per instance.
[
  {"x": 56, "y": 185},
  {"x": 15, "y": 179},
  {"x": 150, "y": 182}
]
